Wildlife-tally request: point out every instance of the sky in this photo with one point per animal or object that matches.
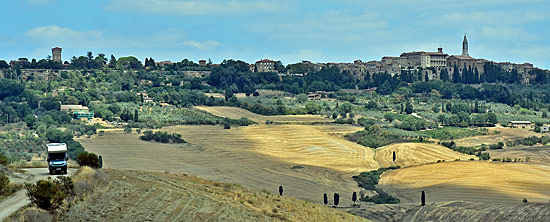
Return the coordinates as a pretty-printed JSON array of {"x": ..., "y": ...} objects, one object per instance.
[{"x": 286, "y": 30}]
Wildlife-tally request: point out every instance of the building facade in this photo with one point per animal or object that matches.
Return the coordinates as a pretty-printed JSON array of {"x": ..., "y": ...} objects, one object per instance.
[
  {"x": 265, "y": 65},
  {"x": 56, "y": 54}
]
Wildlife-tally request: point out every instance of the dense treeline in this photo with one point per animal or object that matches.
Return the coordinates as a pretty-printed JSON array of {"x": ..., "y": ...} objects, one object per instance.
[
  {"x": 369, "y": 180},
  {"x": 470, "y": 150},
  {"x": 162, "y": 137}
]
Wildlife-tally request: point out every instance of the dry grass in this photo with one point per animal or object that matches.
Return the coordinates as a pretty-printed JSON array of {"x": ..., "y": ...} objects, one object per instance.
[
  {"x": 86, "y": 180},
  {"x": 136, "y": 195},
  {"x": 410, "y": 154},
  {"x": 34, "y": 214},
  {"x": 236, "y": 113},
  {"x": 473, "y": 181}
]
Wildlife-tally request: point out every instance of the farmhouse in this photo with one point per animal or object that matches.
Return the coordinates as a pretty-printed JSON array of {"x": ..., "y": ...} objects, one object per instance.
[
  {"x": 520, "y": 124},
  {"x": 78, "y": 111},
  {"x": 72, "y": 108},
  {"x": 314, "y": 96},
  {"x": 545, "y": 129}
]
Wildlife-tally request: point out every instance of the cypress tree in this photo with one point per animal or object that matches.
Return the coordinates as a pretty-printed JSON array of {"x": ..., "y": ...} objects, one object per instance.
[
  {"x": 325, "y": 199},
  {"x": 444, "y": 75},
  {"x": 423, "y": 198},
  {"x": 394, "y": 156},
  {"x": 456, "y": 75},
  {"x": 136, "y": 117},
  {"x": 354, "y": 197},
  {"x": 281, "y": 190},
  {"x": 336, "y": 199}
]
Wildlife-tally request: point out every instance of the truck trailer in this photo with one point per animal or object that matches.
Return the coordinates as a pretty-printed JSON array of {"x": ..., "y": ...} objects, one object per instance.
[{"x": 57, "y": 158}]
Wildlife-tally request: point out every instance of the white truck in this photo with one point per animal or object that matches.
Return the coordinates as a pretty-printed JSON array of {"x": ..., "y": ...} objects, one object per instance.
[{"x": 57, "y": 158}]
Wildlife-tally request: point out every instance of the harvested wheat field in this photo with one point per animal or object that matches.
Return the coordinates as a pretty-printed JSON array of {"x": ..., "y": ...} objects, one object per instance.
[
  {"x": 236, "y": 113},
  {"x": 312, "y": 145},
  {"x": 308, "y": 160},
  {"x": 537, "y": 155},
  {"x": 505, "y": 134},
  {"x": 470, "y": 181},
  {"x": 150, "y": 196},
  {"x": 410, "y": 154}
]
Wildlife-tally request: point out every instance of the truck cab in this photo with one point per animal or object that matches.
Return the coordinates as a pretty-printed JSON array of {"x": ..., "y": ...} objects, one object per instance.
[{"x": 57, "y": 158}]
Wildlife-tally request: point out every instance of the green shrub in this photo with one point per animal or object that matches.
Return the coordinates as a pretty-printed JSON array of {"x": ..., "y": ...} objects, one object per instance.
[
  {"x": 373, "y": 137},
  {"x": 446, "y": 133},
  {"x": 49, "y": 194},
  {"x": 369, "y": 180},
  {"x": 3, "y": 160},
  {"x": 381, "y": 198},
  {"x": 7, "y": 188},
  {"x": 88, "y": 159}
]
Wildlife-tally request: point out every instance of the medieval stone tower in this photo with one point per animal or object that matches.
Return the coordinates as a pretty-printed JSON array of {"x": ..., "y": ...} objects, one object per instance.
[{"x": 56, "y": 54}]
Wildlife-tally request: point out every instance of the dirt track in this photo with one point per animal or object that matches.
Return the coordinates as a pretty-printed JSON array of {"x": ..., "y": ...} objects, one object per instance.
[
  {"x": 148, "y": 196},
  {"x": 20, "y": 199}
]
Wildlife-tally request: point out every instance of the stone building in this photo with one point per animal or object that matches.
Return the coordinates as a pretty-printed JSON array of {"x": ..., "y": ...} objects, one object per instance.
[
  {"x": 265, "y": 65},
  {"x": 425, "y": 59}
]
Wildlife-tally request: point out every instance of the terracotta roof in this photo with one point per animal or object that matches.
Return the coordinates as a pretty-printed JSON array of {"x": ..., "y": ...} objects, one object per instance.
[
  {"x": 56, "y": 48},
  {"x": 463, "y": 57},
  {"x": 73, "y": 107},
  {"x": 266, "y": 60}
]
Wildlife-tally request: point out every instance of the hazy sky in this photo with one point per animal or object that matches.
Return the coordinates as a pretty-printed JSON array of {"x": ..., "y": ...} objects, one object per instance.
[{"x": 286, "y": 30}]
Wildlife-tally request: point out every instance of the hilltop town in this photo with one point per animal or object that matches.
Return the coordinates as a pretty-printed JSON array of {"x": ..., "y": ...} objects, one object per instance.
[
  {"x": 428, "y": 65},
  {"x": 422, "y": 136}
]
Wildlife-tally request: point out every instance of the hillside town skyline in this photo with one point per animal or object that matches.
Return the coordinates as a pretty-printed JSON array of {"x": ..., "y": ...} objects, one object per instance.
[{"x": 430, "y": 63}]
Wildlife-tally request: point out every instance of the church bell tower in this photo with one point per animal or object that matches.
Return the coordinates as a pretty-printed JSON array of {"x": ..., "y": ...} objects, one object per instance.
[{"x": 465, "y": 46}]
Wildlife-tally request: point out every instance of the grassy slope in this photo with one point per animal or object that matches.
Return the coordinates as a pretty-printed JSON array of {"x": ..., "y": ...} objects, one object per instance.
[{"x": 138, "y": 195}]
